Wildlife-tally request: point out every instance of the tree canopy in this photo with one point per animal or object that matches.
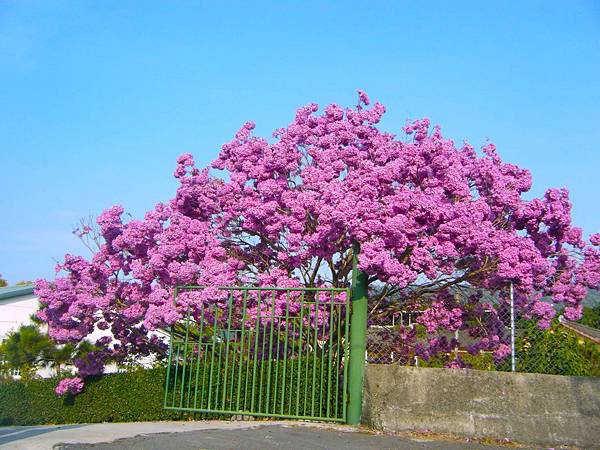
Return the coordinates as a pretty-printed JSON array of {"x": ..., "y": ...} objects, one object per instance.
[{"x": 428, "y": 214}]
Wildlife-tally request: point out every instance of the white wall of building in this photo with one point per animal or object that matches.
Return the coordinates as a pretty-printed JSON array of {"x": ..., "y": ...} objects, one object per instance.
[{"x": 15, "y": 311}]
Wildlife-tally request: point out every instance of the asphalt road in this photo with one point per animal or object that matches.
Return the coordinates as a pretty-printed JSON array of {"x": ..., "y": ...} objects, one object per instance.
[
  {"x": 274, "y": 438},
  {"x": 217, "y": 435}
]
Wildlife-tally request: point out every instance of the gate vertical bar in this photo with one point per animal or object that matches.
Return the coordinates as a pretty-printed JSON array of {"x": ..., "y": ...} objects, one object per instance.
[
  {"x": 227, "y": 341},
  {"x": 329, "y": 355},
  {"x": 243, "y": 327},
  {"x": 285, "y": 347},
  {"x": 200, "y": 355},
  {"x": 257, "y": 330},
  {"x": 171, "y": 329},
  {"x": 270, "y": 353},
  {"x": 358, "y": 340}
]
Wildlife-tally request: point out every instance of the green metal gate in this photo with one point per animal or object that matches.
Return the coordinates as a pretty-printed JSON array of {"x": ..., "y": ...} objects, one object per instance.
[{"x": 261, "y": 351}]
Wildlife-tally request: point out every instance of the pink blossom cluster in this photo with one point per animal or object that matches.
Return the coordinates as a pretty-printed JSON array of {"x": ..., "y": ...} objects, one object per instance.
[
  {"x": 439, "y": 316},
  {"x": 427, "y": 213},
  {"x": 71, "y": 386}
]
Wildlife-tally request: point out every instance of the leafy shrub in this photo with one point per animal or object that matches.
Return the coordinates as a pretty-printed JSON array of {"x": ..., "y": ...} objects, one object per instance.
[
  {"x": 120, "y": 397},
  {"x": 557, "y": 351},
  {"x": 138, "y": 395},
  {"x": 591, "y": 317}
]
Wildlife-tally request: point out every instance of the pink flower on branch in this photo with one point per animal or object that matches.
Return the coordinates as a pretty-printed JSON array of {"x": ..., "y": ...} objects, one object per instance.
[{"x": 71, "y": 386}]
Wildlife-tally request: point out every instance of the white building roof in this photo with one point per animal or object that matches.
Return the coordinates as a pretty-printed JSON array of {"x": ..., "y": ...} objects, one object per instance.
[{"x": 16, "y": 291}]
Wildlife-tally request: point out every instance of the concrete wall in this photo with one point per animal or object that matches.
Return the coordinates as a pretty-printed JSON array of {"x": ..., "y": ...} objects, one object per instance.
[{"x": 530, "y": 408}]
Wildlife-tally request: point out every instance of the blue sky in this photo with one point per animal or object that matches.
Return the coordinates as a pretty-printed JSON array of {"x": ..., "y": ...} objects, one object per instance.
[{"x": 97, "y": 99}]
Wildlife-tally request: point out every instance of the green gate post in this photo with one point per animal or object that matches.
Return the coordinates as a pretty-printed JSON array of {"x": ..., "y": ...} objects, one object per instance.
[{"x": 358, "y": 340}]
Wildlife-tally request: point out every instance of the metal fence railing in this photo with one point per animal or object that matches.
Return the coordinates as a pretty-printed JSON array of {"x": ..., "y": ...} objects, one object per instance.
[
  {"x": 526, "y": 347},
  {"x": 261, "y": 351}
]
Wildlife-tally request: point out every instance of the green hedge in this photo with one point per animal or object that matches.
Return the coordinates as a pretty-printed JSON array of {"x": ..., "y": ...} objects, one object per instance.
[
  {"x": 121, "y": 397},
  {"x": 138, "y": 395}
]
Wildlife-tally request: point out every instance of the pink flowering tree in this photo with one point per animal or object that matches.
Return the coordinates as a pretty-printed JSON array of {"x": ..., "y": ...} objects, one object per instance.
[{"x": 429, "y": 216}]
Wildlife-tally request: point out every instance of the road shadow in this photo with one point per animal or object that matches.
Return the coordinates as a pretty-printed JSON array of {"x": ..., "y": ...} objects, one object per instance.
[{"x": 12, "y": 434}]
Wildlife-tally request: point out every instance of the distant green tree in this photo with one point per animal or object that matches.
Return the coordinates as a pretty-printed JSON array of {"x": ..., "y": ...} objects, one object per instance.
[
  {"x": 25, "y": 348},
  {"x": 28, "y": 349},
  {"x": 4, "y": 283},
  {"x": 591, "y": 317}
]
